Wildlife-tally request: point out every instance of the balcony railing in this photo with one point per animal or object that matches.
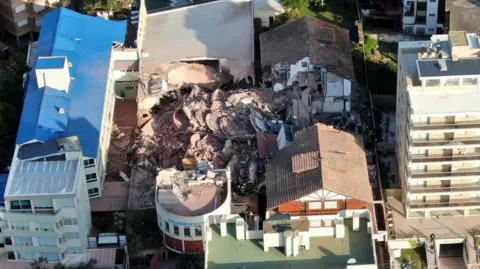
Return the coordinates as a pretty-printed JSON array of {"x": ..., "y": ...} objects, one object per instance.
[
  {"x": 433, "y": 204},
  {"x": 421, "y": 142},
  {"x": 432, "y": 189},
  {"x": 422, "y": 158},
  {"x": 443, "y": 126},
  {"x": 458, "y": 173}
]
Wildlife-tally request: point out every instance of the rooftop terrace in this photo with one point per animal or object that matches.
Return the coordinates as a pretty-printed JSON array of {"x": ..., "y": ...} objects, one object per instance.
[
  {"x": 188, "y": 193},
  {"x": 325, "y": 252}
]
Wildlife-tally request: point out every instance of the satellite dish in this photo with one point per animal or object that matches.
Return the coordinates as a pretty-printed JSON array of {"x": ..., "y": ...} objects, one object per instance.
[{"x": 351, "y": 261}]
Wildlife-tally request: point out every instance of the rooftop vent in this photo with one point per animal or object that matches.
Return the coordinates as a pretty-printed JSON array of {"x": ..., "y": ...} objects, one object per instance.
[
  {"x": 443, "y": 65},
  {"x": 61, "y": 110}
]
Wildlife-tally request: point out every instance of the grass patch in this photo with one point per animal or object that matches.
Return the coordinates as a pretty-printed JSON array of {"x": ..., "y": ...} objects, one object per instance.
[{"x": 415, "y": 257}]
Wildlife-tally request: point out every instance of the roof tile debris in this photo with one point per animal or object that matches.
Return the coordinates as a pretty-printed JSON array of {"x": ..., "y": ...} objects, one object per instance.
[{"x": 341, "y": 168}]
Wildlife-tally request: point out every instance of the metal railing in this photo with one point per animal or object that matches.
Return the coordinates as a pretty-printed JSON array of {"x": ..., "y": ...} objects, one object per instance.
[
  {"x": 432, "y": 204},
  {"x": 430, "y": 189},
  {"x": 442, "y": 126},
  {"x": 420, "y": 142},
  {"x": 420, "y": 158},
  {"x": 424, "y": 174}
]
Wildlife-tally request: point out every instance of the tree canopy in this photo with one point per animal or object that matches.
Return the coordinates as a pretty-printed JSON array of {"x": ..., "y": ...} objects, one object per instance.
[{"x": 11, "y": 102}]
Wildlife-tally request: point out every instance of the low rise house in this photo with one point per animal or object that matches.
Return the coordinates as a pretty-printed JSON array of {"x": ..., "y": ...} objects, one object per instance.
[
  {"x": 319, "y": 203},
  {"x": 267, "y": 10},
  {"x": 423, "y": 17},
  {"x": 310, "y": 53}
]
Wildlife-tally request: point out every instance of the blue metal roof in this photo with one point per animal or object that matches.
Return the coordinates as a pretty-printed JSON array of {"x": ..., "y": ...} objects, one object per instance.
[
  {"x": 3, "y": 186},
  {"x": 50, "y": 63},
  {"x": 86, "y": 41}
]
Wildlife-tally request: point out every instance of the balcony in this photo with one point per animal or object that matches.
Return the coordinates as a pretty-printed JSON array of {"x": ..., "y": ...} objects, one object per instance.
[
  {"x": 421, "y": 142},
  {"x": 434, "y": 189},
  {"x": 434, "y": 204},
  {"x": 422, "y": 158},
  {"x": 440, "y": 174},
  {"x": 423, "y": 126}
]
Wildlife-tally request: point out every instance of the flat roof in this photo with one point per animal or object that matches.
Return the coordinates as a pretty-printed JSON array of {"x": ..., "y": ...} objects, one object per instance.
[
  {"x": 462, "y": 67},
  {"x": 51, "y": 62},
  {"x": 201, "y": 195},
  {"x": 444, "y": 103},
  {"x": 43, "y": 178},
  {"x": 325, "y": 252},
  {"x": 458, "y": 38}
]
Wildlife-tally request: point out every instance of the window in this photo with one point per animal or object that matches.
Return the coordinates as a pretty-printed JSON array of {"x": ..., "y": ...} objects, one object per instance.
[
  {"x": 452, "y": 82},
  {"x": 431, "y": 30},
  {"x": 304, "y": 64},
  {"x": 89, "y": 163},
  {"x": 433, "y": 83},
  {"x": 167, "y": 227},
  {"x": 433, "y": 1},
  {"x": 22, "y": 241},
  {"x": 315, "y": 205},
  {"x": 22, "y": 22},
  {"x": 186, "y": 231},
  {"x": 431, "y": 15},
  {"x": 69, "y": 236},
  {"x": 19, "y": 225},
  {"x": 469, "y": 81},
  {"x": 331, "y": 205},
  {"x": 44, "y": 227},
  {"x": 69, "y": 221},
  {"x": 20, "y": 205},
  {"x": 43, "y": 204},
  {"x": 198, "y": 230},
  {"x": 176, "y": 230},
  {"x": 47, "y": 241},
  {"x": 73, "y": 250},
  {"x": 50, "y": 256},
  {"x": 93, "y": 192},
  {"x": 20, "y": 8},
  {"x": 26, "y": 255},
  {"x": 91, "y": 177}
]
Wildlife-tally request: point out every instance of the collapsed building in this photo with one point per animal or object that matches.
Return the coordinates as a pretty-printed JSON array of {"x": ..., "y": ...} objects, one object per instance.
[{"x": 310, "y": 54}]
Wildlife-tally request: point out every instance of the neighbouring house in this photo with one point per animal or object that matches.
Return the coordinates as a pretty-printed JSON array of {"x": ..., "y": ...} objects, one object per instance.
[
  {"x": 267, "y": 10},
  {"x": 319, "y": 210},
  {"x": 464, "y": 15},
  {"x": 310, "y": 53}
]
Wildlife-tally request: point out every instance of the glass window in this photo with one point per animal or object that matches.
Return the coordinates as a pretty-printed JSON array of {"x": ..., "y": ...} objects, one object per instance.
[
  {"x": 43, "y": 204},
  {"x": 20, "y": 205},
  {"x": 452, "y": 82},
  {"x": 433, "y": 83},
  {"x": 69, "y": 235},
  {"x": 22, "y": 241},
  {"x": 26, "y": 255},
  {"x": 69, "y": 221},
  {"x": 93, "y": 192},
  {"x": 47, "y": 241},
  {"x": 49, "y": 256},
  {"x": 89, "y": 163},
  {"x": 167, "y": 227},
  {"x": 176, "y": 230},
  {"x": 19, "y": 225},
  {"x": 431, "y": 15},
  {"x": 186, "y": 231},
  {"x": 91, "y": 177},
  {"x": 22, "y": 22},
  {"x": 470, "y": 81},
  {"x": 198, "y": 230},
  {"x": 20, "y": 8},
  {"x": 44, "y": 227},
  {"x": 73, "y": 250}
]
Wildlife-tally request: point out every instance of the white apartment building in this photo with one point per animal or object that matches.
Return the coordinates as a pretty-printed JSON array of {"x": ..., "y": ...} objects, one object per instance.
[
  {"x": 423, "y": 17},
  {"x": 46, "y": 211},
  {"x": 63, "y": 136},
  {"x": 438, "y": 126}
]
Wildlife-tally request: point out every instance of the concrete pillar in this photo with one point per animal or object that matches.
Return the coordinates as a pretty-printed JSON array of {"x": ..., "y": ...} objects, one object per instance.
[
  {"x": 339, "y": 229},
  {"x": 288, "y": 243},
  {"x": 265, "y": 243},
  {"x": 466, "y": 212},
  {"x": 356, "y": 222},
  {"x": 223, "y": 226},
  {"x": 427, "y": 213},
  {"x": 240, "y": 229},
  {"x": 296, "y": 244},
  {"x": 257, "y": 222}
]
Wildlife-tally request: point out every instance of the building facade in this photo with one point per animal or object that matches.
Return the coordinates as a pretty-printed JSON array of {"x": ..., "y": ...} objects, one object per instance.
[
  {"x": 438, "y": 141},
  {"x": 19, "y": 18},
  {"x": 423, "y": 17}
]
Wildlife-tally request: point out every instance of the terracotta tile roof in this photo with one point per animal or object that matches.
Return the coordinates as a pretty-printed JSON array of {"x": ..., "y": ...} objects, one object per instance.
[
  {"x": 326, "y": 44},
  {"x": 341, "y": 167}
]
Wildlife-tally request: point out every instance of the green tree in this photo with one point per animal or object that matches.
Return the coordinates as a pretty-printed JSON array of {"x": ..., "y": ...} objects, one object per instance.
[
  {"x": 293, "y": 7},
  {"x": 195, "y": 261},
  {"x": 11, "y": 102}
]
